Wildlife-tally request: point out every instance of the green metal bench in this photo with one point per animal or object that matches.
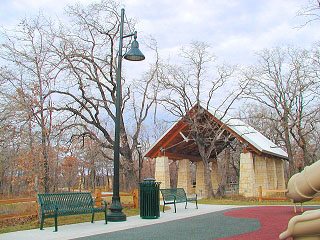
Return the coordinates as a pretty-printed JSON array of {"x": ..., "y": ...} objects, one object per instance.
[
  {"x": 176, "y": 195},
  {"x": 52, "y": 205}
]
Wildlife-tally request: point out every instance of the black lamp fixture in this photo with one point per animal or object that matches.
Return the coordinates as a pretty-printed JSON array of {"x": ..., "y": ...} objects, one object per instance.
[
  {"x": 134, "y": 53},
  {"x": 116, "y": 214}
]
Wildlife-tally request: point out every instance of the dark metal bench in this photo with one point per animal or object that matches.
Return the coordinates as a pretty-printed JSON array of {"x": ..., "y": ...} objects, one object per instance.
[
  {"x": 52, "y": 205},
  {"x": 176, "y": 195}
]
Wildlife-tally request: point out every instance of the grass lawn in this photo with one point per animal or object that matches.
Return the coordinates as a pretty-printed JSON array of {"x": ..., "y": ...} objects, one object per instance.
[{"x": 63, "y": 220}]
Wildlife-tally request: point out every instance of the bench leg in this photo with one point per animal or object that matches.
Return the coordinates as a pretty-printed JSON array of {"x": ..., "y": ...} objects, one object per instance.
[
  {"x": 55, "y": 222},
  {"x": 41, "y": 222},
  {"x": 92, "y": 218}
]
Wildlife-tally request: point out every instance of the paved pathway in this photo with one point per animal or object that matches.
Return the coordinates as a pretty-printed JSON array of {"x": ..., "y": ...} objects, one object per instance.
[
  {"x": 202, "y": 227},
  {"x": 98, "y": 230}
]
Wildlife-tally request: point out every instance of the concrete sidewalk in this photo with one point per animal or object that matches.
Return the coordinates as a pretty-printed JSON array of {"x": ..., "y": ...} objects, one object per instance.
[{"x": 90, "y": 229}]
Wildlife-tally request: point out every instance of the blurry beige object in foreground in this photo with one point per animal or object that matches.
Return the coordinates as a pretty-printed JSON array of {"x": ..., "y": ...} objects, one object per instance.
[
  {"x": 305, "y": 185},
  {"x": 303, "y": 227}
]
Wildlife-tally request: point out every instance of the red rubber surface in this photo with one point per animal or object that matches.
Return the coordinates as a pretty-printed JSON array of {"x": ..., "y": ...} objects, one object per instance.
[{"x": 273, "y": 220}]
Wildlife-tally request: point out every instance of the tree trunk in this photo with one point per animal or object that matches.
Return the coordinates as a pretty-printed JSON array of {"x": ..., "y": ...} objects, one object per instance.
[
  {"x": 35, "y": 163},
  {"x": 207, "y": 179},
  {"x": 292, "y": 167},
  {"x": 223, "y": 166},
  {"x": 45, "y": 182},
  {"x": 128, "y": 169},
  {"x": 131, "y": 180}
]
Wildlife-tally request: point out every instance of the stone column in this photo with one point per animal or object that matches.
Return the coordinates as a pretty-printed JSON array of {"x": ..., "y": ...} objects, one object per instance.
[
  {"x": 272, "y": 174},
  {"x": 275, "y": 172},
  {"x": 261, "y": 175},
  {"x": 184, "y": 176},
  {"x": 215, "y": 176},
  {"x": 162, "y": 173},
  {"x": 280, "y": 174},
  {"x": 200, "y": 180},
  {"x": 247, "y": 175},
  {"x": 275, "y": 182}
]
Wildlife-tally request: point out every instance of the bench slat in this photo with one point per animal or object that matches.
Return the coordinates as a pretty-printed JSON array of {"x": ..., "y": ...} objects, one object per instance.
[
  {"x": 176, "y": 195},
  {"x": 52, "y": 205}
]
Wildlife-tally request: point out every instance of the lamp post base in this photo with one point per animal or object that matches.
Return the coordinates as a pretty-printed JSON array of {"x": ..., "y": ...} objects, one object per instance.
[{"x": 116, "y": 214}]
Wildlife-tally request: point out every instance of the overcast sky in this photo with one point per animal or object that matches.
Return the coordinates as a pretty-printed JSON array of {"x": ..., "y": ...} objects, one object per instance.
[{"x": 235, "y": 29}]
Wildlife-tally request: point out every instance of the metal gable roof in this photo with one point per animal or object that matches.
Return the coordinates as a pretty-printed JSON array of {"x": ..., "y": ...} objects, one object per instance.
[
  {"x": 249, "y": 134},
  {"x": 238, "y": 127}
]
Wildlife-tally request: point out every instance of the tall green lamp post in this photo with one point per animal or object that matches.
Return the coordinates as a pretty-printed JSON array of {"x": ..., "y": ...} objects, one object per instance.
[{"x": 134, "y": 54}]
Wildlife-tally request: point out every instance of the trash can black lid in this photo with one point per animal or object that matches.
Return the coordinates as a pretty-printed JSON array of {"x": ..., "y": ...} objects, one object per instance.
[{"x": 149, "y": 179}]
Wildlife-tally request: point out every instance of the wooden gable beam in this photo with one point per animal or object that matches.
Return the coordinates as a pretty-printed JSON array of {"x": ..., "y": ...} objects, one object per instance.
[
  {"x": 179, "y": 156},
  {"x": 163, "y": 145},
  {"x": 235, "y": 134}
]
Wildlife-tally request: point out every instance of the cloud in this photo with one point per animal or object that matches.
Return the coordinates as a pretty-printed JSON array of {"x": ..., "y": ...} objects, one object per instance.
[{"x": 235, "y": 29}]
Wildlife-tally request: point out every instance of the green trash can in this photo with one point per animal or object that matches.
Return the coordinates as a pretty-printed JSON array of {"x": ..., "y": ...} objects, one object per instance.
[{"x": 149, "y": 198}]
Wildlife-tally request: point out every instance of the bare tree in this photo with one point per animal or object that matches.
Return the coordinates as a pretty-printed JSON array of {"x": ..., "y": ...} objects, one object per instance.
[
  {"x": 261, "y": 118},
  {"x": 189, "y": 89},
  {"x": 316, "y": 63},
  {"x": 236, "y": 147},
  {"x": 30, "y": 76},
  {"x": 283, "y": 82},
  {"x": 88, "y": 56},
  {"x": 311, "y": 11}
]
